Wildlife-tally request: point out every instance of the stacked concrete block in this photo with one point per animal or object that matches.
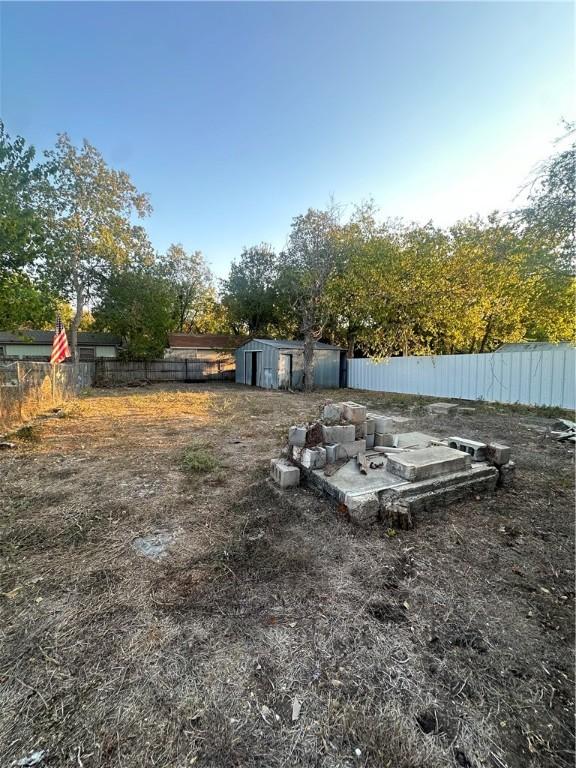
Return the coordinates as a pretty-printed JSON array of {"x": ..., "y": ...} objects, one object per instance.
[
  {"x": 332, "y": 413},
  {"x": 314, "y": 458},
  {"x": 284, "y": 473},
  {"x": 353, "y": 412},
  {"x": 339, "y": 434},
  {"x": 370, "y": 441},
  {"x": 383, "y": 439},
  {"x": 473, "y": 447},
  {"x": 338, "y": 451},
  {"x": 383, "y": 424},
  {"x": 297, "y": 436},
  {"x": 370, "y": 425}
]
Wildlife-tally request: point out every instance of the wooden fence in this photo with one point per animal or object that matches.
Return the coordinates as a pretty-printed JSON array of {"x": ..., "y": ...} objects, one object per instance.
[{"x": 111, "y": 372}]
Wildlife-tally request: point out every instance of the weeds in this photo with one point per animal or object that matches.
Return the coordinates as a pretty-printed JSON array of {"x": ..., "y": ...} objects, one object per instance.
[
  {"x": 199, "y": 459},
  {"x": 29, "y": 433}
]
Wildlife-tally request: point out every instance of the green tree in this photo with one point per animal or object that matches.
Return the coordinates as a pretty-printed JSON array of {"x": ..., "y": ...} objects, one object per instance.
[
  {"x": 25, "y": 196},
  {"x": 137, "y": 305},
  {"x": 93, "y": 232},
  {"x": 549, "y": 218},
  {"x": 251, "y": 291},
  {"x": 191, "y": 283},
  {"x": 316, "y": 253}
]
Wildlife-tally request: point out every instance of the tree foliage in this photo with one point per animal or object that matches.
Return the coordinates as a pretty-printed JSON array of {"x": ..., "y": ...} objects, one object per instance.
[
  {"x": 191, "y": 284},
  {"x": 92, "y": 229},
  {"x": 251, "y": 292}
]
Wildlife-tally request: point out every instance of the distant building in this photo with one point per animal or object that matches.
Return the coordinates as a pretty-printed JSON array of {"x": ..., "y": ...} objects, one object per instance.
[
  {"x": 37, "y": 345},
  {"x": 212, "y": 347},
  {"x": 533, "y": 346},
  {"x": 278, "y": 364}
]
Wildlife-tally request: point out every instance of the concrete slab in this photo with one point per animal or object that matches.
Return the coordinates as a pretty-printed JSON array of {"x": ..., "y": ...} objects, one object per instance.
[
  {"x": 425, "y": 463},
  {"x": 349, "y": 482},
  {"x": 413, "y": 440}
]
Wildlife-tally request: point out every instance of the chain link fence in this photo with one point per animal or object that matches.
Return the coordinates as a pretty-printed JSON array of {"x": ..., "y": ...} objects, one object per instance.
[{"x": 27, "y": 388}]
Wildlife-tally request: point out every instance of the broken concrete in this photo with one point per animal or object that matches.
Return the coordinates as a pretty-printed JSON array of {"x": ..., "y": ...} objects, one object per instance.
[
  {"x": 424, "y": 463},
  {"x": 363, "y": 509},
  {"x": 443, "y": 409},
  {"x": 407, "y": 474}
]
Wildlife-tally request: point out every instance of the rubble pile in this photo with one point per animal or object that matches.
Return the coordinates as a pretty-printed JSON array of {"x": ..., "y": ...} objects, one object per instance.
[{"x": 376, "y": 471}]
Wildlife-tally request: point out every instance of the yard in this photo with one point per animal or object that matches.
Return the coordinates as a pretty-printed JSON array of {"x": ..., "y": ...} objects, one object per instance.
[{"x": 162, "y": 605}]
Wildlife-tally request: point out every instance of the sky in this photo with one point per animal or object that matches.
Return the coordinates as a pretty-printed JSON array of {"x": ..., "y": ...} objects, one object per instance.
[{"x": 236, "y": 117}]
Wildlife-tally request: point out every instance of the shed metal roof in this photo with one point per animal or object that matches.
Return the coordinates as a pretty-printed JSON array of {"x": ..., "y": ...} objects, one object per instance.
[
  {"x": 26, "y": 336},
  {"x": 288, "y": 344},
  {"x": 204, "y": 341}
]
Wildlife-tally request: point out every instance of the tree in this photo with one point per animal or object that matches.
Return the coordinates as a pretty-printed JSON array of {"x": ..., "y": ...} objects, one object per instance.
[
  {"x": 251, "y": 291},
  {"x": 316, "y": 253},
  {"x": 24, "y": 203},
  {"x": 549, "y": 218},
  {"x": 191, "y": 284},
  {"x": 23, "y": 304},
  {"x": 93, "y": 233},
  {"x": 137, "y": 305}
]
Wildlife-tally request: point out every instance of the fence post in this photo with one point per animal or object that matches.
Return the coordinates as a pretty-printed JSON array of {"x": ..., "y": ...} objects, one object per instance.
[{"x": 186, "y": 375}]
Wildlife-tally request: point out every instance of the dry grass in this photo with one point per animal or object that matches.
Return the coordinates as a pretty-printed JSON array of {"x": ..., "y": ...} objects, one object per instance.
[{"x": 445, "y": 646}]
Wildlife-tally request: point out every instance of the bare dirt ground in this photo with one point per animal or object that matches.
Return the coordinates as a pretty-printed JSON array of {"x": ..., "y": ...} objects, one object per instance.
[{"x": 267, "y": 630}]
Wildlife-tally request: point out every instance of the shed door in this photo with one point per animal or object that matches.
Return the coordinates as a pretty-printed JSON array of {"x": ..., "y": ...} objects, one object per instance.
[{"x": 285, "y": 371}]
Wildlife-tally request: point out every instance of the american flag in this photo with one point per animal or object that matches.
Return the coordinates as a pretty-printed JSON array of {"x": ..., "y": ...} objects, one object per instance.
[{"x": 60, "y": 349}]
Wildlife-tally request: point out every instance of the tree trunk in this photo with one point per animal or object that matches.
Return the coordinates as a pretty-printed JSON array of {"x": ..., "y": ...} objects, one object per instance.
[
  {"x": 486, "y": 335},
  {"x": 351, "y": 340},
  {"x": 308, "y": 360}
]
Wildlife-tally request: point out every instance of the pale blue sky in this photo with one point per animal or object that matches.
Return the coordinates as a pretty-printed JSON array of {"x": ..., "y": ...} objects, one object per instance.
[{"x": 237, "y": 116}]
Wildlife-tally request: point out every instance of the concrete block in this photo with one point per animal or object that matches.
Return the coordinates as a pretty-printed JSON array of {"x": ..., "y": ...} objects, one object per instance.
[
  {"x": 284, "y": 473},
  {"x": 498, "y": 454},
  {"x": 339, "y": 434},
  {"x": 313, "y": 458},
  {"x": 370, "y": 426},
  {"x": 344, "y": 450},
  {"x": 332, "y": 412},
  {"x": 443, "y": 409},
  {"x": 465, "y": 410},
  {"x": 383, "y": 424},
  {"x": 353, "y": 412},
  {"x": 363, "y": 509},
  {"x": 370, "y": 441},
  {"x": 386, "y": 439},
  {"x": 473, "y": 447},
  {"x": 424, "y": 463},
  {"x": 297, "y": 436}
]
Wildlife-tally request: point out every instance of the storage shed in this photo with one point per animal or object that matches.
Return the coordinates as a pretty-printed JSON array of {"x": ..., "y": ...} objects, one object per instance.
[{"x": 278, "y": 364}]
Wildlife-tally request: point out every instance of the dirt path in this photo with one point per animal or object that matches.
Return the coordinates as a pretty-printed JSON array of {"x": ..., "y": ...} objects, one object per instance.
[{"x": 268, "y": 631}]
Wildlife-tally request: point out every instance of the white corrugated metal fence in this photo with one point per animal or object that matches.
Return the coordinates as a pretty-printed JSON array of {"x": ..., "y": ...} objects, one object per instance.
[{"x": 545, "y": 377}]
